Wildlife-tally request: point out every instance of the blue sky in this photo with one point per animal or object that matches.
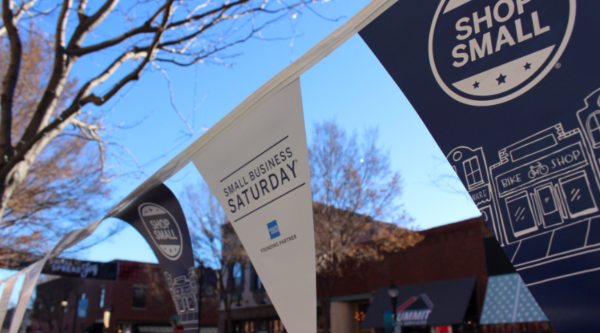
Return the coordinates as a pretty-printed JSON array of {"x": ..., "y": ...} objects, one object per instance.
[{"x": 350, "y": 86}]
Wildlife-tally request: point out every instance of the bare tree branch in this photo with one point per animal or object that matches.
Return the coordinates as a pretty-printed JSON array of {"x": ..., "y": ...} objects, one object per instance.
[
  {"x": 174, "y": 32},
  {"x": 76, "y": 50},
  {"x": 59, "y": 75},
  {"x": 172, "y": 94},
  {"x": 9, "y": 84},
  {"x": 24, "y": 8}
]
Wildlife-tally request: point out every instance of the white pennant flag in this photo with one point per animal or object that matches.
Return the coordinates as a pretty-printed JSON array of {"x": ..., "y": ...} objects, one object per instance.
[
  {"x": 31, "y": 278},
  {"x": 9, "y": 284},
  {"x": 258, "y": 170}
]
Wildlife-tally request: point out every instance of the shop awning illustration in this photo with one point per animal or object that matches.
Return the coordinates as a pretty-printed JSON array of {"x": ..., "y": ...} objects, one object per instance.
[{"x": 507, "y": 300}]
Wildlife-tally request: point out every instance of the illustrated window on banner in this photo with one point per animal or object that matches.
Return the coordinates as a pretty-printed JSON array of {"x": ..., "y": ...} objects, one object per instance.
[{"x": 510, "y": 91}]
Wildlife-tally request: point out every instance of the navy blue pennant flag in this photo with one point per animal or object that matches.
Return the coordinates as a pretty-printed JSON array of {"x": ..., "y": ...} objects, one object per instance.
[
  {"x": 510, "y": 90},
  {"x": 158, "y": 216}
]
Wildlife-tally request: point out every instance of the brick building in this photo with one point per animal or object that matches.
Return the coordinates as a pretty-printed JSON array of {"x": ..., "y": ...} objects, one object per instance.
[
  {"x": 463, "y": 254},
  {"x": 137, "y": 301}
]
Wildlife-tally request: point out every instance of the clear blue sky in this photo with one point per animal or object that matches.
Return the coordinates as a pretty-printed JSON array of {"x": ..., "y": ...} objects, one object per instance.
[{"x": 350, "y": 86}]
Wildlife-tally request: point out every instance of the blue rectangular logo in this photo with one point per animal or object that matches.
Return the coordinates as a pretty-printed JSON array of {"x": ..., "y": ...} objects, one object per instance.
[{"x": 273, "y": 229}]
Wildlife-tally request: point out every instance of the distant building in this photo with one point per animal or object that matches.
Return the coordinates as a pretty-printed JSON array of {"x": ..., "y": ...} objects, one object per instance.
[
  {"x": 444, "y": 277},
  {"x": 138, "y": 301},
  {"x": 25, "y": 324}
]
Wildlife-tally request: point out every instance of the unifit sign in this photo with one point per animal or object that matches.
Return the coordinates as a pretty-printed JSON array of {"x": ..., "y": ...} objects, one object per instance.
[{"x": 415, "y": 311}]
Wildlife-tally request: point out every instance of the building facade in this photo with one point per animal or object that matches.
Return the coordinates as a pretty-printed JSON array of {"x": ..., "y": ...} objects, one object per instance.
[
  {"x": 450, "y": 252},
  {"x": 139, "y": 300}
]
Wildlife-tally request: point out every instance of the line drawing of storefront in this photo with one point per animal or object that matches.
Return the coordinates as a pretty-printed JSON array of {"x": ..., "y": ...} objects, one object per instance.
[
  {"x": 471, "y": 167},
  {"x": 543, "y": 197},
  {"x": 184, "y": 293}
]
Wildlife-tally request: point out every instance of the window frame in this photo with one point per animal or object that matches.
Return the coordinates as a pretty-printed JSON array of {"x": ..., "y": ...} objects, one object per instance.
[
  {"x": 596, "y": 117},
  {"x": 473, "y": 172},
  {"x": 232, "y": 290},
  {"x": 102, "y": 300},
  {"x": 133, "y": 298}
]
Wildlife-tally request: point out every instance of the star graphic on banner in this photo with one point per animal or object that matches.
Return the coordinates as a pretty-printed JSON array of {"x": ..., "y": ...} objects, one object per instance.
[
  {"x": 527, "y": 66},
  {"x": 475, "y": 85},
  {"x": 501, "y": 79}
]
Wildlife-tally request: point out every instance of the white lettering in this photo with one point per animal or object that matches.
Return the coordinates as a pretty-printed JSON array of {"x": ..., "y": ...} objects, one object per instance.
[
  {"x": 510, "y": 180},
  {"x": 486, "y": 44},
  {"x": 511, "y": 10},
  {"x": 520, "y": 4},
  {"x": 536, "y": 25},
  {"x": 457, "y": 54},
  {"x": 504, "y": 37},
  {"x": 466, "y": 28},
  {"x": 487, "y": 18},
  {"x": 565, "y": 159},
  {"x": 520, "y": 36}
]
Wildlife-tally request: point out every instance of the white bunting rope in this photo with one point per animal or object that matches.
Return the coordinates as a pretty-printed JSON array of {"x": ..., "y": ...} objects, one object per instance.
[{"x": 276, "y": 83}]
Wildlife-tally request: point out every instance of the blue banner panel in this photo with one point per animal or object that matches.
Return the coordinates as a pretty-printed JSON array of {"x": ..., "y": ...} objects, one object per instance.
[
  {"x": 157, "y": 215},
  {"x": 510, "y": 90}
]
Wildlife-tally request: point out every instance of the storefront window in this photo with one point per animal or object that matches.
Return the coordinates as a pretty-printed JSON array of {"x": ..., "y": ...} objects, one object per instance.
[
  {"x": 521, "y": 214},
  {"x": 236, "y": 278},
  {"x": 102, "y": 295},
  {"x": 578, "y": 195},
  {"x": 593, "y": 127},
  {"x": 139, "y": 297},
  {"x": 473, "y": 172}
]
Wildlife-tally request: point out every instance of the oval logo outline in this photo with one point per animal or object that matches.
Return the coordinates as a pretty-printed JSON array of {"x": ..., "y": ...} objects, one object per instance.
[
  {"x": 521, "y": 89},
  {"x": 160, "y": 247}
]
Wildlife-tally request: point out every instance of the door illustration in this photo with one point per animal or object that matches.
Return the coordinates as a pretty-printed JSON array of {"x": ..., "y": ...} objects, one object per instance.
[{"x": 550, "y": 207}]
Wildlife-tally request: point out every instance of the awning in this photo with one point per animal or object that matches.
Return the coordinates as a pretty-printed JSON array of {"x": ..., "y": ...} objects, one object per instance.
[
  {"x": 507, "y": 300},
  {"x": 434, "y": 303},
  {"x": 156, "y": 329},
  {"x": 169, "y": 329}
]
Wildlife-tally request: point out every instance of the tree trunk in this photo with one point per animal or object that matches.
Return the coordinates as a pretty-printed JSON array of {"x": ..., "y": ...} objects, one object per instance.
[
  {"x": 326, "y": 285},
  {"x": 12, "y": 177},
  {"x": 226, "y": 302}
]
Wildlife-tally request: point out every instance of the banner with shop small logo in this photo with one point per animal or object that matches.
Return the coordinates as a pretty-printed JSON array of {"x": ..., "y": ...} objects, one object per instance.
[
  {"x": 258, "y": 170},
  {"x": 157, "y": 215},
  {"x": 510, "y": 90}
]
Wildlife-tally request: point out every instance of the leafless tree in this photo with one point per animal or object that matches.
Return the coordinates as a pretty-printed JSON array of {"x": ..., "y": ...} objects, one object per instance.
[
  {"x": 353, "y": 186},
  {"x": 64, "y": 179},
  {"x": 60, "y": 115},
  {"x": 214, "y": 241}
]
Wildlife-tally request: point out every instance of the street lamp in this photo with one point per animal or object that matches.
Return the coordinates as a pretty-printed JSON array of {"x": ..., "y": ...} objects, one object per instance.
[{"x": 393, "y": 292}]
